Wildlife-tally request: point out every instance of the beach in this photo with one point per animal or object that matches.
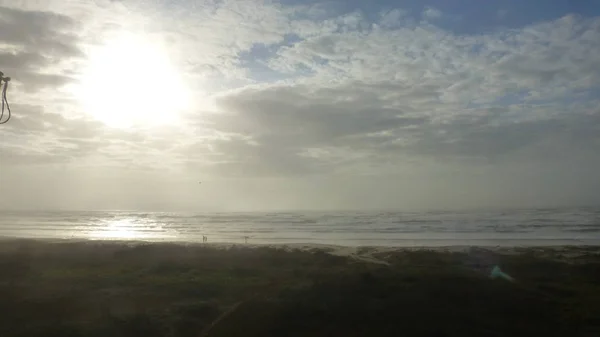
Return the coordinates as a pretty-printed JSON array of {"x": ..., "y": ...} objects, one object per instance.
[
  {"x": 134, "y": 288},
  {"x": 304, "y": 168}
]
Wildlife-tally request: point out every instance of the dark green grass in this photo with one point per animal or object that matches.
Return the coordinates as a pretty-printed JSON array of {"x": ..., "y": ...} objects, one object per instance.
[{"x": 112, "y": 289}]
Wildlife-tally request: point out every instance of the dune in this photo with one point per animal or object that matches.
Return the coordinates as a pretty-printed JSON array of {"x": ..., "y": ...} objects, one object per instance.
[{"x": 111, "y": 288}]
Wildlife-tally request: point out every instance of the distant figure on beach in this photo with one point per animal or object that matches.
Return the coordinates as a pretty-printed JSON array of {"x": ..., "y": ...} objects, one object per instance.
[
  {"x": 246, "y": 239},
  {"x": 204, "y": 238}
]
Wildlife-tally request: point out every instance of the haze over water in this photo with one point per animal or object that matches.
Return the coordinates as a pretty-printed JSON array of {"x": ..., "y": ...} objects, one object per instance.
[{"x": 573, "y": 226}]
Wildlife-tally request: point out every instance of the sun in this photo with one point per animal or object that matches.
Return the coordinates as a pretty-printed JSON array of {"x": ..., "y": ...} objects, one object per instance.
[{"x": 130, "y": 81}]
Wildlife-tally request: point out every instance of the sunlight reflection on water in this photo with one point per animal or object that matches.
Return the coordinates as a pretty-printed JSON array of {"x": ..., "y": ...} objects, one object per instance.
[{"x": 126, "y": 229}]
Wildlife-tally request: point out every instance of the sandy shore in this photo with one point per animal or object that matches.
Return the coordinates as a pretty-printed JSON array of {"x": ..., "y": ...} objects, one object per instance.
[{"x": 565, "y": 253}]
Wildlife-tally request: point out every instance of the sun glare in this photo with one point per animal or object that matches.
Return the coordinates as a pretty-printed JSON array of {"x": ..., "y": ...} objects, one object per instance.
[
  {"x": 120, "y": 229},
  {"x": 130, "y": 81}
]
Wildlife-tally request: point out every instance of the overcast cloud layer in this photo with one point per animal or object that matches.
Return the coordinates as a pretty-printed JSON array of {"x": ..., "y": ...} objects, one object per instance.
[{"x": 309, "y": 106}]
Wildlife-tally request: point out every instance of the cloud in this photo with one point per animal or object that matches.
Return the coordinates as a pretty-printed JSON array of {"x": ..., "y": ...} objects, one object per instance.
[
  {"x": 286, "y": 92},
  {"x": 422, "y": 93},
  {"x": 432, "y": 13},
  {"x": 394, "y": 18},
  {"x": 35, "y": 137},
  {"x": 36, "y": 40},
  {"x": 282, "y": 125}
]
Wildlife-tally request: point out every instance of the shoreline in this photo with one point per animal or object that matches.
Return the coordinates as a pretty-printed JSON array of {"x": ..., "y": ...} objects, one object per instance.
[
  {"x": 366, "y": 253},
  {"x": 459, "y": 246},
  {"x": 408, "y": 243}
]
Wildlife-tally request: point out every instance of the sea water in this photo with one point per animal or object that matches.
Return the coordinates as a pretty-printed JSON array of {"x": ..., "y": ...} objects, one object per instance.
[{"x": 556, "y": 226}]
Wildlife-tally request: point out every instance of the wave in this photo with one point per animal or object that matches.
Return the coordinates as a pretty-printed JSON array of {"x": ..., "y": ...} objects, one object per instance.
[{"x": 324, "y": 227}]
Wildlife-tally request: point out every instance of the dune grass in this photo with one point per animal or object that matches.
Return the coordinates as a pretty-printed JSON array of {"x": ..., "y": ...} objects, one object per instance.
[{"x": 114, "y": 289}]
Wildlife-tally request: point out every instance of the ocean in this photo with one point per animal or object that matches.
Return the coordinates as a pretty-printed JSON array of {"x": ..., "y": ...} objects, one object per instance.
[{"x": 526, "y": 227}]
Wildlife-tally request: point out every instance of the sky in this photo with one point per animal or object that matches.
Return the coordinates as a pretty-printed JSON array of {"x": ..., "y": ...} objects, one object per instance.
[{"x": 299, "y": 105}]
